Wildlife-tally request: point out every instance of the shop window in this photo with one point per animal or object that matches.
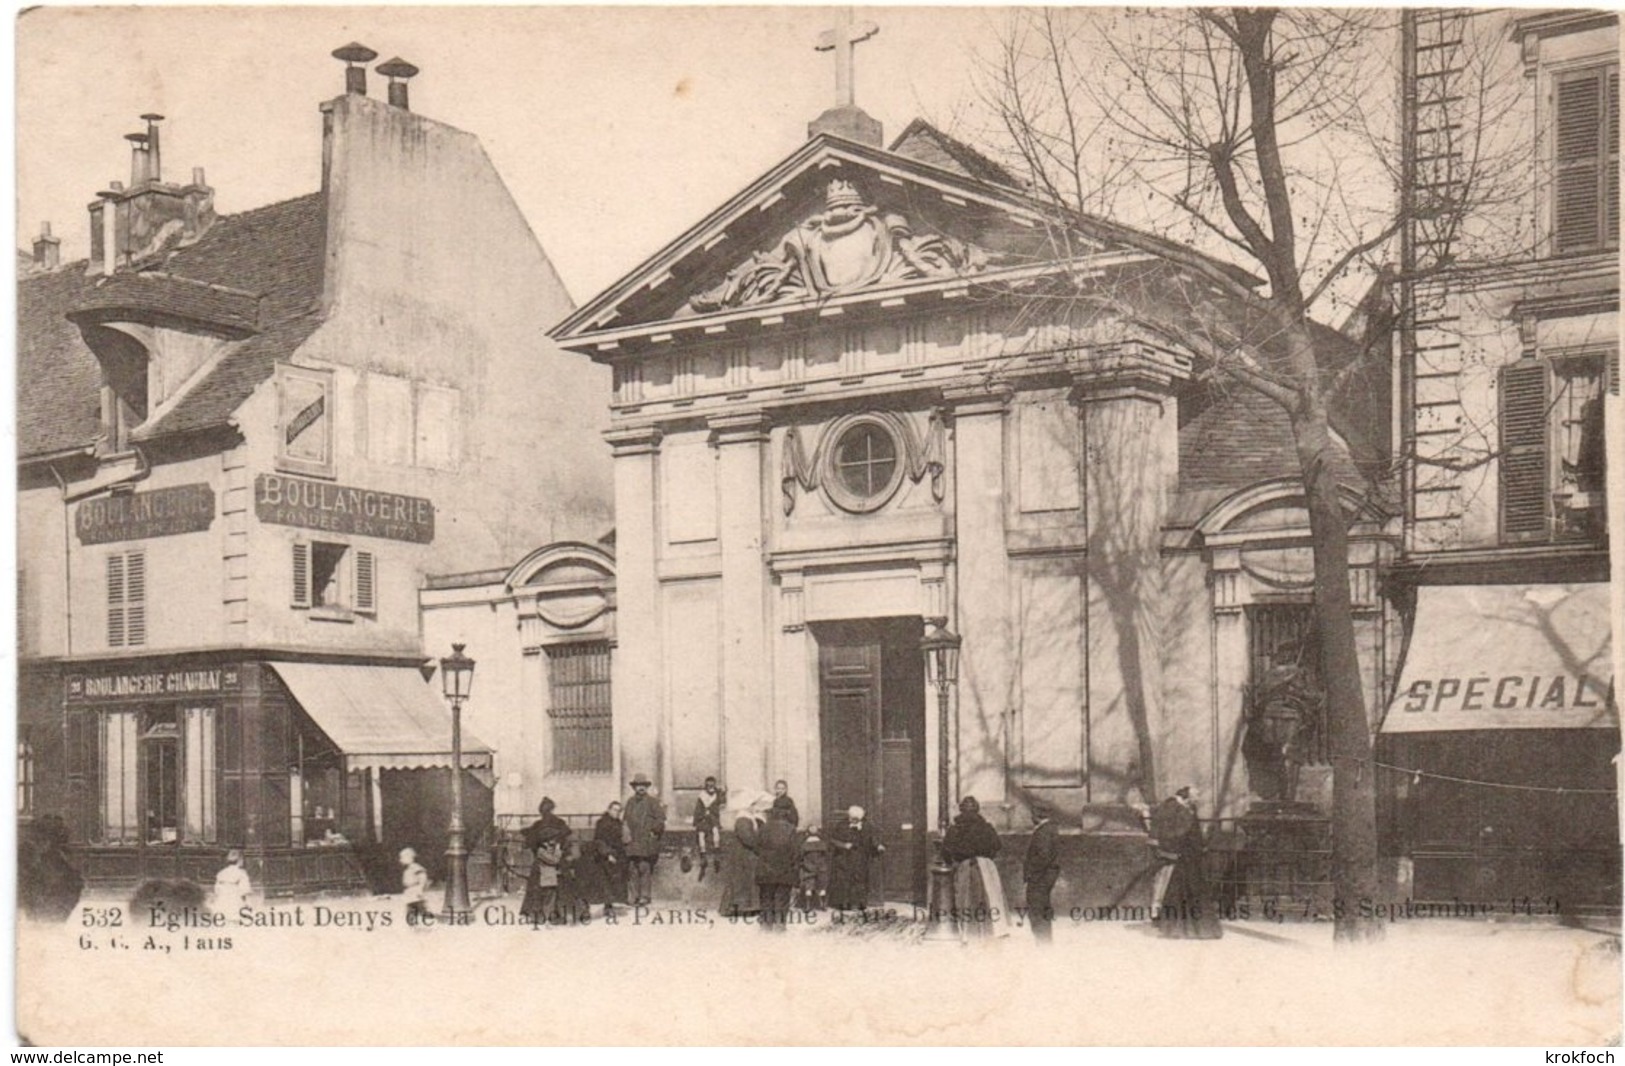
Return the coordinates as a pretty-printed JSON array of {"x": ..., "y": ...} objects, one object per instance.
[
  {"x": 1553, "y": 456},
  {"x": 578, "y": 680},
  {"x": 1585, "y": 209},
  {"x": 304, "y": 421},
  {"x": 201, "y": 783},
  {"x": 25, "y": 775},
  {"x": 121, "y": 789},
  {"x": 334, "y": 581},
  {"x": 127, "y": 599}
]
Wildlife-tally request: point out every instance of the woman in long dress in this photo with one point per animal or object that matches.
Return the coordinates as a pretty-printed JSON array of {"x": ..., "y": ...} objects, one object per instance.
[
  {"x": 1189, "y": 911},
  {"x": 852, "y": 847},
  {"x": 546, "y": 838},
  {"x": 740, "y": 895},
  {"x": 970, "y": 846}
]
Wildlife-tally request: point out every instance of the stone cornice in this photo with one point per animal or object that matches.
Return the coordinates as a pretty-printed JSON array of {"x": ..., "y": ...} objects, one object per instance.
[
  {"x": 745, "y": 428},
  {"x": 633, "y": 440},
  {"x": 1128, "y": 371}
]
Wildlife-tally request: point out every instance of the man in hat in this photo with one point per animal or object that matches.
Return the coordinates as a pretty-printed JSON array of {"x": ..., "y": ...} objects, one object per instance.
[
  {"x": 645, "y": 820},
  {"x": 1041, "y": 869}
]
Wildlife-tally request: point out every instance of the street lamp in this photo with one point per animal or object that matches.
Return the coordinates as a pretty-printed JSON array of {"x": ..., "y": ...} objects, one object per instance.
[
  {"x": 456, "y": 677},
  {"x": 941, "y": 651}
]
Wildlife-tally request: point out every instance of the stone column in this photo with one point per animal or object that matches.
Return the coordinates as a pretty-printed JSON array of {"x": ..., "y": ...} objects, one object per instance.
[
  {"x": 981, "y": 601},
  {"x": 636, "y": 678},
  {"x": 749, "y": 717},
  {"x": 1130, "y": 432}
]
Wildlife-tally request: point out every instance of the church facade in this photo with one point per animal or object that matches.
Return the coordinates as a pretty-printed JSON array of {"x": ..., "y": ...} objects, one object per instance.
[{"x": 876, "y": 392}]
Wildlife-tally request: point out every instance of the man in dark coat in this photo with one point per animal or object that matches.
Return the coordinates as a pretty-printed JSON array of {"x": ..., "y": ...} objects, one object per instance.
[
  {"x": 852, "y": 846},
  {"x": 1040, "y": 870},
  {"x": 777, "y": 864},
  {"x": 645, "y": 824}
]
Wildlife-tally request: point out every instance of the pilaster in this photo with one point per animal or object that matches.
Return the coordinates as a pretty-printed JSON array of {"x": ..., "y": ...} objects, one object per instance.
[
  {"x": 637, "y": 669},
  {"x": 748, "y": 733},
  {"x": 983, "y": 594}
]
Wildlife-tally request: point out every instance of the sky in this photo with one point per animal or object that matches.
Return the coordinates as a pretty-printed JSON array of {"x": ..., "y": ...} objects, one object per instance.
[{"x": 615, "y": 128}]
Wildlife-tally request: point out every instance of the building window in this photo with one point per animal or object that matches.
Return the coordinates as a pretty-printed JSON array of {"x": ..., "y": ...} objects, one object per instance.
[
  {"x": 1285, "y": 712},
  {"x": 1553, "y": 455},
  {"x": 438, "y": 422},
  {"x": 334, "y": 580},
  {"x": 412, "y": 424},
  {"x": 127, "y": 599},
  {"x": 578, "y": 707},
  {"x": 865, "y": 465},
  {"x": 304, "y": 421},
  {"x": 25, "y": 776},
  {"x": 1585, "y": 210}
]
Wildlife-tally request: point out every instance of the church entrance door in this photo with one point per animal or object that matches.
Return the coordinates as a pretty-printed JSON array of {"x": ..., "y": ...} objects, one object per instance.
[{"x": 871, "y": 683}]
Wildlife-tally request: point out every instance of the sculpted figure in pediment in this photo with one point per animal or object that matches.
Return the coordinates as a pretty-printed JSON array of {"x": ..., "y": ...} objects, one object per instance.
[{"x": 849, "y": 245}]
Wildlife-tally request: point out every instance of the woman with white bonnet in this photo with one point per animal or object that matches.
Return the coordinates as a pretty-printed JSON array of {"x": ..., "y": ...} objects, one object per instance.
[{"x": 852, "y": 846}]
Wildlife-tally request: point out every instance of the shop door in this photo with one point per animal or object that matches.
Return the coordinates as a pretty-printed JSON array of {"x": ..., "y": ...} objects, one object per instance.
[{"x": 872, "y": 729}]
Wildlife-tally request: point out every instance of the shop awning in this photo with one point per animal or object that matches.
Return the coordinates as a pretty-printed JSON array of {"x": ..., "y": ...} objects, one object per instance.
[
  {"x": 380, "y": 717},
  {"x": 1507, "y": 657}
]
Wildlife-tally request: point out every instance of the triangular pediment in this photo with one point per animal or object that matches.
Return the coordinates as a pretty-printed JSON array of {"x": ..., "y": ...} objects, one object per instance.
[{"x": 836, "y": 221}]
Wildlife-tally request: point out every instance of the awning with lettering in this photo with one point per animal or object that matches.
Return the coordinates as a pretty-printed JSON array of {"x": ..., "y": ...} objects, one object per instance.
[
  {"x": 1507, "y": 657},
  {"x": 380, "y": 717}
]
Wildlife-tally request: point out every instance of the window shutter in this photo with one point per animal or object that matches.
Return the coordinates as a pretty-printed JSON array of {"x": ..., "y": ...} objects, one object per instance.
[
  {"x": 366, "y": 596},
  {"x": 1524, "y": 491},
  {"x": 301, "y": 574},
  {"x": 135, "y": 598},
  {"x": 1581, "y": 114},
  {"x": 115, "y": 601},
  {"x": 1611, "y": 124}
]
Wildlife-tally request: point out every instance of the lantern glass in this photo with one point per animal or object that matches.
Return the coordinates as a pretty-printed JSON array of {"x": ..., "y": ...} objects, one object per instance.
[
  {"x": 941, "y": 650},
  {"x": 457, "y": 673}
]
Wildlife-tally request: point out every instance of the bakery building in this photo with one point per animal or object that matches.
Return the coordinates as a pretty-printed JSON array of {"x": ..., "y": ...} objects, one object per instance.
[{"x": 244, "y": 441}]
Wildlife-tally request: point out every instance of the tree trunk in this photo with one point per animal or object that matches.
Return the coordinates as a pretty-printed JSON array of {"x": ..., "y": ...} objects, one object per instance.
[{"x": 1354, "y": 792}]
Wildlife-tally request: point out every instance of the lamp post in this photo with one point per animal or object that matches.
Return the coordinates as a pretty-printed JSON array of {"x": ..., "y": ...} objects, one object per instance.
[
  {"x": 456, "y": 677},
  {"x": 941, "y": 651}
]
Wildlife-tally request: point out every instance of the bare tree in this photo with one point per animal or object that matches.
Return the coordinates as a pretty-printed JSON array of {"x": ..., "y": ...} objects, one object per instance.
[{"x": 1268, "y": 139}]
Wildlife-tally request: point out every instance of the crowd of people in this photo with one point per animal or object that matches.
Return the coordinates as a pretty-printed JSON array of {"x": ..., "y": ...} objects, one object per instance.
[{"x": 769, "y": 866}]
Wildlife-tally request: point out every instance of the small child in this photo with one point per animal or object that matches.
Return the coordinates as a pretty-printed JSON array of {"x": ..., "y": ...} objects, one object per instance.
[
  {"x": 814, "y": 873},
  {"x": 232, "y": 886},
  {"x": 414, "y": 881}
]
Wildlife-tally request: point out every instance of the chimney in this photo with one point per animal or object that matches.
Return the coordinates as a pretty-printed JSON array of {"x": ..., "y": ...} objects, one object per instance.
[
  {"x": 47, "y": 249},
  {"x": 354, "y": 55},
  {"x": 129, "y": 225},
  {"x": 398, "y": 71},
  {"x": 155, "y": 171}
]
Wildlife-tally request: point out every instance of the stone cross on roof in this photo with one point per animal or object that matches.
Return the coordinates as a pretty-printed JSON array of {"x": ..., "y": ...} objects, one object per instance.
[{"x": 843, "y": 41}]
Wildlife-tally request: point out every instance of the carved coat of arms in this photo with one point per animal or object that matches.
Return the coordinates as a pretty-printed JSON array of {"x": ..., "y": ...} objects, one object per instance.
[{"x": 849, "y": 245}]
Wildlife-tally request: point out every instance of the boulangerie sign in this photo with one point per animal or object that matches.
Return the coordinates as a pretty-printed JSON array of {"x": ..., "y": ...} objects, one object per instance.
[{"x": 142, "y": 515}]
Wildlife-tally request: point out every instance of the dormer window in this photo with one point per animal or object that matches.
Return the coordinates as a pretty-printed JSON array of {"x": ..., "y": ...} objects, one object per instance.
[{"x": 124, "y": 387}]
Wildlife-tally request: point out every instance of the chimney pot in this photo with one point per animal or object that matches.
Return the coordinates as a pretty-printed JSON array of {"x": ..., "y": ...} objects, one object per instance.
[
  {"x": 355, "y": 75},
  {"x": 197, "y": 176},
  {"x": 398, "y": 71},
  {"x": 47, "y": 249}
]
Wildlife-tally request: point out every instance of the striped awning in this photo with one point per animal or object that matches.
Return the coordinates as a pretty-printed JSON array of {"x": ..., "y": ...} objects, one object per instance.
[{"x": 380, "y": 717}]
